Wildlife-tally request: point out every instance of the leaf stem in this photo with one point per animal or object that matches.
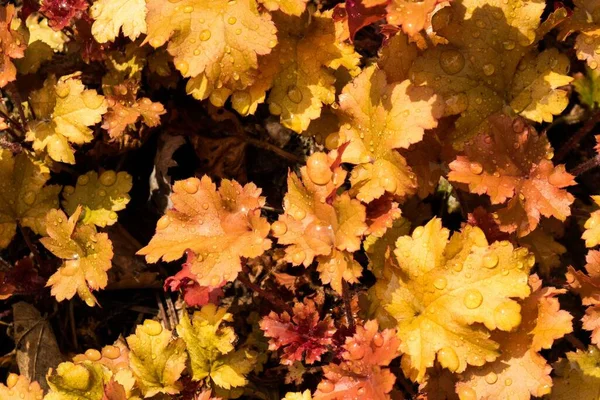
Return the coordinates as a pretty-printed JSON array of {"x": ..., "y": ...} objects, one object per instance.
[
  {"x": 12, "y": 88},
  {"x": 271, "y": 147},
  {"x": 586, "y": 166},
  {"x": 266, "y": 295},
  {"x": 573, "y": 142},
  {"x": 31, "y": 246},
  {"x": 347, "y": 304}
]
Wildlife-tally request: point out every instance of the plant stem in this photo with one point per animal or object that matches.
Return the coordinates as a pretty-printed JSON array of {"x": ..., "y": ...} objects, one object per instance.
[
  {"x": 31, "y": 246},
  {"x": 266, "y": 295},
  {"x": 586, "y": 166},
  {"x": 12, "y": 88},
  {"x": 573, "y": 142},
  {"x": 271, "y": 147},
  {"x": 347, "y": 304}
]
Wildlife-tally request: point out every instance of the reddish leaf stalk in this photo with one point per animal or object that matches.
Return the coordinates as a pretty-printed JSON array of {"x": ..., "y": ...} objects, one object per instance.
[
  {"x": 266, "y": 295},
  {"x": 586, "y": 166},
  {"x": 574, "y": 141}
]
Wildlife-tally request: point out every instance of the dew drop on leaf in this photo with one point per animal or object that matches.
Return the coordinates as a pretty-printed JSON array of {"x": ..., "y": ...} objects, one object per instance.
[
  {"x": 491, "y": 378},
  {"x": 29, "y": 198},
  {"x": 490, "y": 261},
  {"x": 472, "y": 299},
  {"x": 279, "y": 228},
  {"x": 93, "y": 355},
  {"x": 440, "y": 283},
  {"x": 448, "y": 358},
  {"x": 163, "y": 222},
  {"x": 476, "y": 168},
  {"x": 111, "y": 352},
  {"x": 452, "y": 61},
  {"x": 152, "y": 328},
  {"x": 108, "y": 178}
]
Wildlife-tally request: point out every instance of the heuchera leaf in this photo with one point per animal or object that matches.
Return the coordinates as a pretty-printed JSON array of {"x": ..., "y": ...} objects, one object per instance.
[
  {"x": 210, "y": 346},
  {"x": 291, "y": 7},
  {"x": 86, "y": 256},
  {"x": 319, "y": 223},
  {"x": 588, "y": 288},
  {"x": 299, "y": 71},
  {"x": 378, "y": 117},
  {"x": 362, "y": 372},
  {"x": 578, "y": 376},
  {"x": 447, "y": 286},
  {"x": 60, "y": 13},
  {"x": 413, "y": 16},
  {"x": 70, "y": 381},
  {"x": 298, "y": 395},
  {"x": 509, "y": 160},
  {"x": 12, "y": 45},
  {"x": 585, "y": 20},
  {"x": 25, "y": 197},
  {"x": 99, "y": 196},
  {"x": 124, "y": 112},
  {"x": 215, "y": 42},
  {"x": 490, "y": 62},
  {"x": 220, "y": 227},
  {"x": 19, "y": 387},
  {"x": 111, "y": 16},
  {"x": 302, "y": 335},
  {"x": 591, "y": 235},
  {"x": 64, "y": 110},
  {"x": 521, "y": 372},
  {"x": 157, "y": 359}
]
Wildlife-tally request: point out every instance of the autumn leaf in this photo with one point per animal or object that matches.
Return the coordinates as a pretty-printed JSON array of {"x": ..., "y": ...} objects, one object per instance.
[
  {"x": 586, "y": 21},
  {"x": 445, "y": 287},
  {"x": 491, "y": 62},
  {"x": 291, "y": 7},
  {"x": 298, "y": 395},
  {"x": 12, "y": 45},
  {"x": 86, "y": 257},
  {"x": 19, "y": 387},
  {"x": 521, "y": 372},
  {"x": 299, "y": 71},
  {"x": 157, "y": 360},
  {"x": 317, "y": 223},
  {"x": 377, "y": 118},
  {"x": 220, "y": 227},
  {"x": 111, "y": 16},
  {"x": 588, "y": 288},
  {"x": 65, "y": 111},
  {"x": 26, "y": 198},
  {"x": 588, "y": 87},
  {"x": 70, "y": 381},
  {"x": 61, "y": 13},
  {"x": 413, "y": 16},
  {"x": 545, "y": 248},
  {"x": 302, "y": 335},
  {"x": 99, "y": 196},
  {"x": 578, "y": 376},
  {"x": 215, "y": 42},
  {"x": 122, "y": 114},
  {"x": 362, "y": 372},
  {"x": 211, "y": 348},
  {"x": 591, "y": 235},
  {"x": 39, "y": 30},
  {"x": 509, "y": 160}
]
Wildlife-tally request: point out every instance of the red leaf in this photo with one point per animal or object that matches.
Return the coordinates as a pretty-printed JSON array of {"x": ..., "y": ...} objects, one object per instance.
[{"x": 61, "y": 12}]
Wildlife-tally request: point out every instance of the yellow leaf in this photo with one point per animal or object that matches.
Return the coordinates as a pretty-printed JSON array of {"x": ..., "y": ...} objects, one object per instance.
[
  {"x": 578, "y": 377},
  {"x": 101, "y": 197},
  {"x": 300, "y": 71},
  {"x": 313, "y": 227},
  {"x": 86, "y": 256},
  {"x": 64, "y": 112},
  {"x": 378, "y": 117},
  {"x": 40, "y": 31},
  {"x": 298, "y": 395},
  {"x": 211, "y": 349},
  {"x": 214, "y": 41},
  {"x": 218, "y": 226},
  {"x": 35, "y": 55},
  {"x": 585, "y": 20},
  {"x": 113, "y": 15},
  {"x": 592, "y": 226},
  {"x": 291, "y": 7},
  {"x": 157, "y": 360},
  {"x": 491, "y": 62},
  {"x": 25, "y": 197},
  {"x": 521, "y": 372},
  {"x": 448, "y": 286},
  {"x": 19, "y": 387},
  {"x": 77, "y": 381}
]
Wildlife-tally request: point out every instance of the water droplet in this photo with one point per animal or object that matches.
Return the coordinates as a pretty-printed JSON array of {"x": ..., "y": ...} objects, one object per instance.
[
  {"x": 62, "y": 90},
  {"x": 231, "y": 20},
  {"x": 488, "y": 69},
  {"x": 275, "y": 108},
  {"x": 299, "y": 214},
  {"x": 508, "y": 382},
  {"x": 326, "y": 387},
  {"x": 318, "y": 169},
  {"x": 490, "y": 261},
  {"x": 294, "y": 94},
  {"x": 279, "y": 228},
  {"x": 298, "y": 257},
  {"x": 440, "y": 283},
  {"x": 509, "y": 45},
  {"x": 183, "y": 67},
  {"x": 466, "y": 393},
  {"x": 472, "y": 299},
  {"x": 491, "y": 378},
  {"x": 108, "y": 178},
  {"x": 205, "y": 35},
  {"x": 452, "y": 61},
  {"x": 448, "y": 358},
  {"x": 83, "y": 180},
  {"x": 507, "y": 315},
  {"x": 163, "y": 222},
  {"x": 188, "y": 9},
  {"x": 93, "y": 355},
  {"x": 476, "y": 168},
  {"x": 29, "y": 198},
  {"x": 356, "y": 351},
  {"x": 111, "y": 352},
  {"x": 191, "y": 185},
  {"x": 272, "y": 43},
  {"x": 152, "y": 328},
  {"x": 378, "y": 340}
]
